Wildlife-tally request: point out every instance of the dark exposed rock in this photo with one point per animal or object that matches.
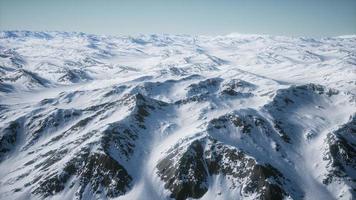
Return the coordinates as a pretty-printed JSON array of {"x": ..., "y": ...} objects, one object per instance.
[
  {"x": 236, "y": 87},
  {"x": 257, "y": 182},
  {"x": 141, "y": 107},
  {"x": 51, "y": 157},
  {"x": 341, "y": 153},
  {"x": 195, "y": 98},
  {"x": 42, "y": 123},
  {"x": 101, "y": 172},
  {"x": 230, "y": 92},
  {"x": 115, "y": 90},
  {"x": 319, "y": 89},
  {"x": 240, "y": 120},
  {"x": 98, "y": 169},
  {"x": 204, "y": 87},
  {"x": 120, "y": 137},
  {"x": 8, "y": 137},
  {"x": 74, "y": 76},
  {"x": 185, "y": 171},
  {"x": 187, "y": 178},
  {"x": 281, "y": 131}
]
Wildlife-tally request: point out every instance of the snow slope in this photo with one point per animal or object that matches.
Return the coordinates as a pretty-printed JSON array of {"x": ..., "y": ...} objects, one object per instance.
[{"x": 176, "y": 117}]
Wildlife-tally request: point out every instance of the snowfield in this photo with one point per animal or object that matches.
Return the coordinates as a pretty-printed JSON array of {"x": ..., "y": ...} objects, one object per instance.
[{"x": 177, "y": 117}]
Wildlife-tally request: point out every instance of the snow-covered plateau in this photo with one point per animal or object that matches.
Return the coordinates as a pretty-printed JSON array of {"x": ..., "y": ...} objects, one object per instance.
[{"x": 177, "y": 117}]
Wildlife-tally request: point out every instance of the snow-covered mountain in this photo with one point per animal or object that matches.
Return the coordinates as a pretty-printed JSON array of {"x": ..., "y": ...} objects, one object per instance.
[{"x": 176, "y": 117}]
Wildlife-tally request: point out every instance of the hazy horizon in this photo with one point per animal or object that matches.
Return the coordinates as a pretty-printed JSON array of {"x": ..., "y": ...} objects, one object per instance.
[{"x": 316, "y": 18}]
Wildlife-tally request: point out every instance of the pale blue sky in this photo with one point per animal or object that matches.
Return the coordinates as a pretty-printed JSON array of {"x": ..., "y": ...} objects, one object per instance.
[{"x": 212, "y": 17}]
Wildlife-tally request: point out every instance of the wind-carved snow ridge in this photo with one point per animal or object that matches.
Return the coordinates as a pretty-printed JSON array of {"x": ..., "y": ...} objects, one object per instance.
[{"x": 176, "y": 117}]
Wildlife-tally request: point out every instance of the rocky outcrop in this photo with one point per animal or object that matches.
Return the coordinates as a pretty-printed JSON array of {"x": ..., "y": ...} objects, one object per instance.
[{"x": 187, "y": 169}]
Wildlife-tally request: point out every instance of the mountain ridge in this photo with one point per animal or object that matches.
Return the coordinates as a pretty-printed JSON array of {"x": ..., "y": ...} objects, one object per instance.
[{"x": 176, "y": 117}]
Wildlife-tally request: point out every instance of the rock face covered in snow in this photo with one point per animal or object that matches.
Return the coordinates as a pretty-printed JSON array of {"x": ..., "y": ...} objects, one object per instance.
[{"x": 176, "y": 117}]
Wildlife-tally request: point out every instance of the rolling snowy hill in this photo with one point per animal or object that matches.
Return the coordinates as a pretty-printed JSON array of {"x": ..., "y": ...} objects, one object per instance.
[{"x": 176, "y": 117}]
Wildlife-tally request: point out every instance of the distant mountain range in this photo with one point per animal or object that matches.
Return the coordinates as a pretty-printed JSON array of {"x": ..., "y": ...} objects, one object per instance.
[{"x": 177, "y": 117}]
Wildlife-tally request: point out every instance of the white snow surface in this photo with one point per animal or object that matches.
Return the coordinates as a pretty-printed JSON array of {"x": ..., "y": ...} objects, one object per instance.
[{"x": 49, "y": 75}]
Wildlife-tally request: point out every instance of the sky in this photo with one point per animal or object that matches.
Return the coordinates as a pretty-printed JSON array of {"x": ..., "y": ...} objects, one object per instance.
[{"x": 208, "y": 17}]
